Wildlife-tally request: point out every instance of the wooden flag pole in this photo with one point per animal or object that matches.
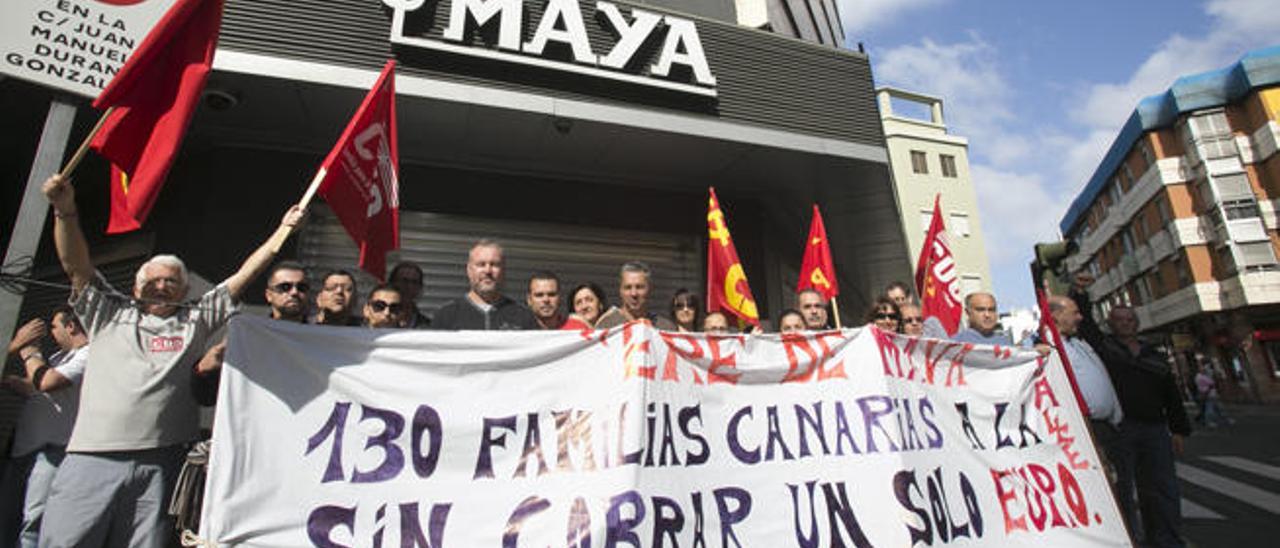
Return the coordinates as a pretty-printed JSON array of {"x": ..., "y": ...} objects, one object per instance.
[
  {"x": 835, "y": 309},
  {"x": 281, "y": 236},
  {"x": 84, "y": 146},
  {"x": 311, "y": 190}
]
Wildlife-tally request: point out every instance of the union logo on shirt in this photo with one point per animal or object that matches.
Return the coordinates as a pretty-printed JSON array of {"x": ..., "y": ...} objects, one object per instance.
[{"x": 166, "y": 344}]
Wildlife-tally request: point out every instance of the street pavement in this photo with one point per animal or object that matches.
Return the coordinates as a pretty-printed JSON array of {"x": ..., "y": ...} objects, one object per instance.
[{"x": 1230, "y": 481}]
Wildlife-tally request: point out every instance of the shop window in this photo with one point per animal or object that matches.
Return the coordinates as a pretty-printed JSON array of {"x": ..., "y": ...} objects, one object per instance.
[
  {"x": 919, "y": 162},
  {"x": 948, "y": 165}
]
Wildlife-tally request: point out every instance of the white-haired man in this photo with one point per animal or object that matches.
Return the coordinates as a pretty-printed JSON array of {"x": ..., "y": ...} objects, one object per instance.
[{"x": 137, "y": 409}]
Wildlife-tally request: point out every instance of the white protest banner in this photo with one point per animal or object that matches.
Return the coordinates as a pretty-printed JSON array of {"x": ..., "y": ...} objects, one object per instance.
[
  {"x": 632, "y": 437},
  {"x": 73, "y": 45}
]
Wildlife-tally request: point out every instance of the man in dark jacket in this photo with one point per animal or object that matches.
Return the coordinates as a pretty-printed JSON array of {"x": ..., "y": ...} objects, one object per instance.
[
  {"x": 484, "y": 307},
  {"x": 1154, "y": 425}
]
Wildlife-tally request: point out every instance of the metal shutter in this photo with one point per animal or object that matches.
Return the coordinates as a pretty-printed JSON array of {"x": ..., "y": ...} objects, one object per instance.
[{"x": 576, "y": 253}]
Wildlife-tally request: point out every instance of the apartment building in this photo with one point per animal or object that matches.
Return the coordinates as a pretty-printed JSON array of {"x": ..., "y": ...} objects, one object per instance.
[
  {"x": 1179, "y": 221},
  {"x": 927, "y": 161}
]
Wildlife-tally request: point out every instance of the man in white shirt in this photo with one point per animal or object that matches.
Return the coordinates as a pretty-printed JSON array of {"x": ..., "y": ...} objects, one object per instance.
[{"x": 53, "y": 386}]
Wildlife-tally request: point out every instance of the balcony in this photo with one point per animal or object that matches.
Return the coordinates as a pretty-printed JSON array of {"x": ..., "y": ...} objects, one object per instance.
[{"x": 1249, "y": 229}]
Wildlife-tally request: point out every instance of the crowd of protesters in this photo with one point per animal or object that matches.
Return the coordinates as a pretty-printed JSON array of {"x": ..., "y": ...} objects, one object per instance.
[{"x": 111, "y": 415}]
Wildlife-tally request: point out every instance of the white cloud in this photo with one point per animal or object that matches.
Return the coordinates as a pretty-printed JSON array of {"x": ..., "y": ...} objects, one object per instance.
[
  {"x": 1236, "y": 26},
  {"x": 967, "y": 77},
  {"x": 857, "y": 15}
]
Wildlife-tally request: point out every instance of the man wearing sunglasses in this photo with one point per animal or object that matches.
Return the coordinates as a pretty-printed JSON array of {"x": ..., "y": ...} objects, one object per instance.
[
  {"x": 384, "y": 307},
  {"x": 286, "y": 292}
]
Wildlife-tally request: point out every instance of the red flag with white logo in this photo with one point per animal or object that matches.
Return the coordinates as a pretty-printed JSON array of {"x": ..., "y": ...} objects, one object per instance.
[
  {"x": 936, "y": 280},
  {"x": 817, "y": 271},
  {"x": 360, "y": 177},
  {"x": 727, "y": 288}
]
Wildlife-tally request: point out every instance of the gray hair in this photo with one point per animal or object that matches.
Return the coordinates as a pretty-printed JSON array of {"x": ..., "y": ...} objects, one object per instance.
[
  {"x": 171, "y": 261},
  {"x": 635, "y": 266}
]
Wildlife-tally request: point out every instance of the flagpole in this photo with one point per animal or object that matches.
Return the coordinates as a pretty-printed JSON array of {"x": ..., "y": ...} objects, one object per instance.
[
  {"x": 84, "y": 146},
  {"x": 835, "y": 309},
  {"x": 311, "y": 190}
]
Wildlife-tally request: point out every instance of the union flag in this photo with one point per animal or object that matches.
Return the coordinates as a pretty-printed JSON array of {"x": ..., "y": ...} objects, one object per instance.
[
  {"x": 817, "y": 271},
  {"x": 936, "y": 280},
  {"x": 360, "y": 177},
  {"x": 727, "y": 288}
]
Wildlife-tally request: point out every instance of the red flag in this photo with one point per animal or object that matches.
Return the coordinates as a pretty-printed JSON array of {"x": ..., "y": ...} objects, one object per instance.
[
  {"x": 360, "y": 178},
  {"x": 727, "y": 288},
  {"x": 154, "y": 95},
  {"x": 817, "y": 272},
  {"x": 936, "y": 281},
  {"x": 1049, "y": 335}
]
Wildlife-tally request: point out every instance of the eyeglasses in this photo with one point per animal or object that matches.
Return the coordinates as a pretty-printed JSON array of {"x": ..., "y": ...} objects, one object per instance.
[
  {"x": 285, "y": 287},
  {"x": 383, "y": 306},
  {"x": 913, "y": 319},
  {"x": 888, "y": 316}
]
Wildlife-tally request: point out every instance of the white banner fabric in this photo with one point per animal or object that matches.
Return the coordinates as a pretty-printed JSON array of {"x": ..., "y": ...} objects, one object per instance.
[{"x": 632, "y": 437}]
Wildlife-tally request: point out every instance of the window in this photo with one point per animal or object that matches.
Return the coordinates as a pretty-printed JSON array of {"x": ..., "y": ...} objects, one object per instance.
[
  {"x": 1233, "y": 187},
  {"x": 970, "y": 283},
  {"x": 1126, "y": 238},
  {"x": 1115, "y": 190},
  {"x": 1162, "y": 206},
  {"x": 919, "y": 162},
  {"x": 1209, "y": 136},
  {"x": 948, "y": 165},
  {"x": 1127, "y": 177},
  {"x": 1137, "y": 232},
  {"x": 1226, "y": 263},
  {"x": 1144, "y": 289},
  {"x": 1256, "y": 254},
  {"x": 1147, "y": 155},
  {"x": 926, "y": 218},
  {"x": 1241, "y": 209},
  {"x": 1181, "y": 270},
  {"x": 960, "y": 224}
]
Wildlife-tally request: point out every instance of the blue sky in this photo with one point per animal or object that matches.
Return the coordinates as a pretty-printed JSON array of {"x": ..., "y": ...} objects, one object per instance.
[{"x": 1041, "y": 88}]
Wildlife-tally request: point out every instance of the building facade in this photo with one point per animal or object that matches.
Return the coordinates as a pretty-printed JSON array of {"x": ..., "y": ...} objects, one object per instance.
[
  {"x": 582, "y": 134},
  {"x": 927, "y": 162},
  {"x": 1179, "y": 221}
]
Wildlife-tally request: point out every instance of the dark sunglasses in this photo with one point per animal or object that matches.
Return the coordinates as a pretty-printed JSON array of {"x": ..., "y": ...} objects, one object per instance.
[
  {"x": 913, "y": 319},
  {"x": 285, "y": 287},
  {"x": 888, "y": 316},
  {"x": 382, "y": 306}
]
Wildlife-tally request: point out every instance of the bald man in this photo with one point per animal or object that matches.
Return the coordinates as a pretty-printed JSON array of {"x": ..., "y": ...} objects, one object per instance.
[{"x": 984, "y": 321}]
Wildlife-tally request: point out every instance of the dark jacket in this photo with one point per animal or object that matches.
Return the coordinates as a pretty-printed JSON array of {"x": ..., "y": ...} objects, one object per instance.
[
  {"x": 1143, "y": 381},
  {"x": 461, "y": 313}
]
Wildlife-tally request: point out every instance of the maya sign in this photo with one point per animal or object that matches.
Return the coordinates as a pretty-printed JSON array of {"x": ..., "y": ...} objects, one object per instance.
[
  {"x": 350, "y": 437},
  {"x": 73, "y": 45},
  {"x": 564, "y": 22}
]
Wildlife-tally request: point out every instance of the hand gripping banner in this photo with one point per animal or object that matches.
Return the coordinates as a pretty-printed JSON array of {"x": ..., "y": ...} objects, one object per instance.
[{"x": 328, "y": 436}]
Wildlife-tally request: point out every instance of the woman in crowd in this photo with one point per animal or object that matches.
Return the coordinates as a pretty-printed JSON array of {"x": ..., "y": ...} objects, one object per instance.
[
  {"x": 791, "y": 321},
  {"x": 885, "y": 315},
  {"x": 685, "y": 310},
  {"x": 587, "y": 302}
]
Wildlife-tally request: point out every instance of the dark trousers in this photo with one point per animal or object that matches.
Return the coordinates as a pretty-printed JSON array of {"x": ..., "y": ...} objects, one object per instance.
[{"x": 1144, "y": 459}]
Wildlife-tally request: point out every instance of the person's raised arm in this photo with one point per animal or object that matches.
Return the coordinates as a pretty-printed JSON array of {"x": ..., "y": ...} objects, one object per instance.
[
  {"x": 68, "y": 238},
  {"x": 261, "y": 257},
  {"x": 1088, "y": 329}
]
